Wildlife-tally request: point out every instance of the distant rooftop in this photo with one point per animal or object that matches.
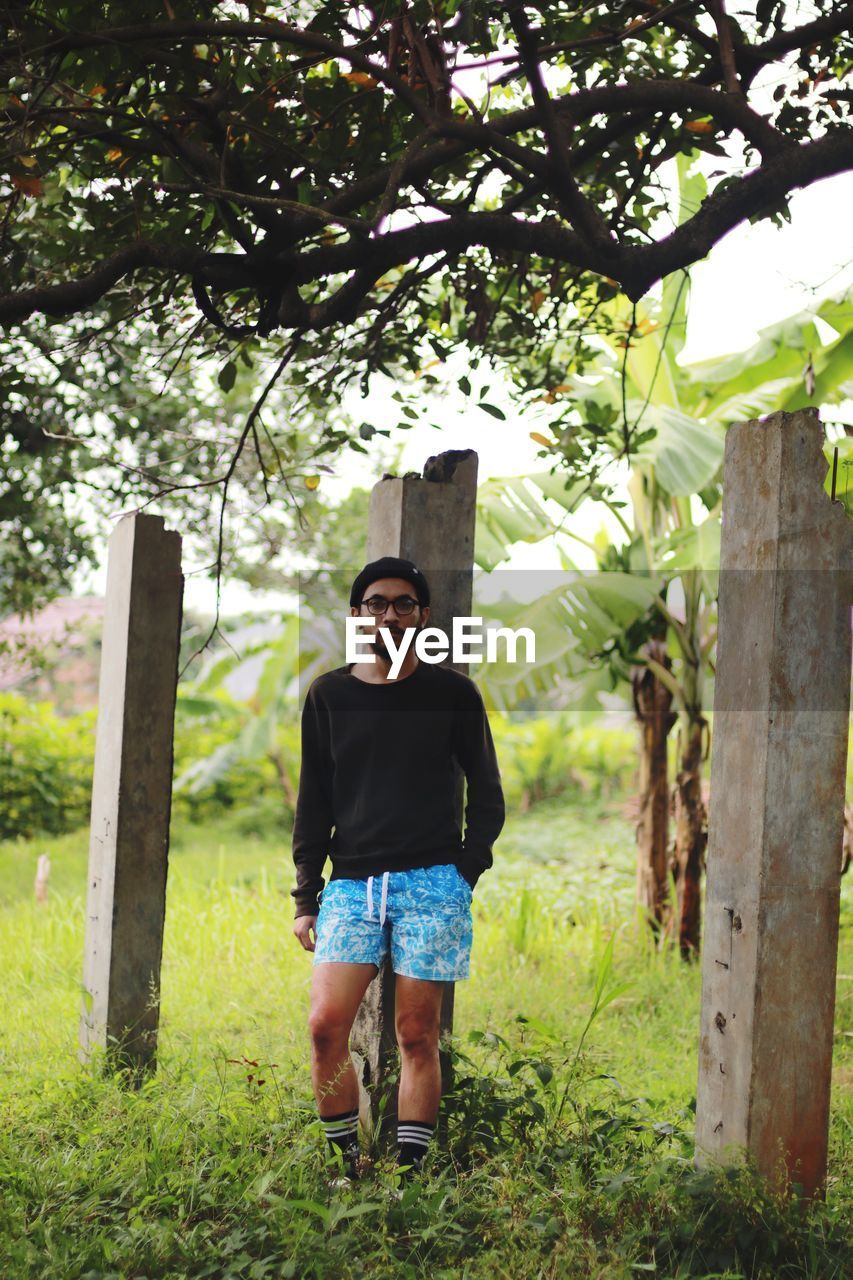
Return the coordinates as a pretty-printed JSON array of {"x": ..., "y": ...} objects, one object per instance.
[{"x": 64, "y": 633}]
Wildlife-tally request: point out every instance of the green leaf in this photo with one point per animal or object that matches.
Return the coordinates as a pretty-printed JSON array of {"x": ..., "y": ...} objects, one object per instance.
[
  {"x": 227, "y": 375},
  {"x": 696, "y": 547},
  {"x": 555, "y": 487},
  {"x": 489, "y": 549},
  {"x": 359, "y": 1210},
  {"x": 309, "y": 1206},
  {"x": 507, "y": 513},
  {"x": 778, "y": 357},
  {"x": 493, "y": 410},
  {"x": 545, "y": 1072},
  {"x": 189, "y": 704},
  {"x": 686, "y": 454}
]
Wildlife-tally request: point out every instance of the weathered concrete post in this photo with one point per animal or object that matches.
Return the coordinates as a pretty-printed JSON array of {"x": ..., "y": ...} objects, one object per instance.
[
  {"x": 781, "y": 711},
  {"x": 429, "y": 520},
  {"x": 131, "y": 795}
]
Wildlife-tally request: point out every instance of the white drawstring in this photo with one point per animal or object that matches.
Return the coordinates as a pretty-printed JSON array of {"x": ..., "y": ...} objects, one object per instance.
[{"x": 383, "y": 901}]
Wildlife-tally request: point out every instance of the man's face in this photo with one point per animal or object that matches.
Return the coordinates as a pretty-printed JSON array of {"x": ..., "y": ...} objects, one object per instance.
[{"x": 391, "y": 589}]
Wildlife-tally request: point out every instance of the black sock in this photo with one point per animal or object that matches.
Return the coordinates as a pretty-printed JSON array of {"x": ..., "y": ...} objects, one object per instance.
[
  {"x": 412, "y": 1141},
  {"x": 342, "y": 1133}
]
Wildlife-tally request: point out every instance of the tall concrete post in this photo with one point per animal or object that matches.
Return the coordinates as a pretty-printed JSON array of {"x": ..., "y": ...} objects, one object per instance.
[
  {"x": 131, "y": 795},
  {"x": 781, "y": 711},
  {"x": 429, "y": 520}
]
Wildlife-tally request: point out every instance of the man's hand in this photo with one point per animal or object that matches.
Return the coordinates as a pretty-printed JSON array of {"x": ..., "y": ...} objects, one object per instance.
[{"x": 305, "y": 929}]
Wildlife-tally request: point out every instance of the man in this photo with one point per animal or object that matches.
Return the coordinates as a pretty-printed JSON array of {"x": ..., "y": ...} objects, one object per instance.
[{"x": 377, "y": 794}]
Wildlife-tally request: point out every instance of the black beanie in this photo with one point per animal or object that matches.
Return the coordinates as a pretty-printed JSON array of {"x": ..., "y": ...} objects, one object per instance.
[{"x": 390, "y": 567}]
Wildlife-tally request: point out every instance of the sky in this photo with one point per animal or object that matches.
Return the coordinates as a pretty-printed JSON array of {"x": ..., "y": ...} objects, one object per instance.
[{"x": 754, "y": 277}]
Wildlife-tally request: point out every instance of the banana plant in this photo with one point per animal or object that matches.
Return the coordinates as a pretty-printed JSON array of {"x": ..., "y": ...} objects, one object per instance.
[
  {"x": 676, "y": 416},
  {"x": 583, "y": 617},
  {"x": 279, "y": 666}
]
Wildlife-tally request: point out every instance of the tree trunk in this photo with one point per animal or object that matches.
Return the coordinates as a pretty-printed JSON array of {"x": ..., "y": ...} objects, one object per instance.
[
  {"x": 653, "y": 708},
  {"x": 691, "y": 836},
  {"x": 691, "y": 819}
]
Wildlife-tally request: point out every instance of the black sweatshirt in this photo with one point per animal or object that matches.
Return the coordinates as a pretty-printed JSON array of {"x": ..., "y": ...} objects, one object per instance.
[{"x": 378, "y": 767}]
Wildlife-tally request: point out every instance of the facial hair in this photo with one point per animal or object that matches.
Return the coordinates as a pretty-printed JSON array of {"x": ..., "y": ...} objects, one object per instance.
[{"x": 396, "y": 633}]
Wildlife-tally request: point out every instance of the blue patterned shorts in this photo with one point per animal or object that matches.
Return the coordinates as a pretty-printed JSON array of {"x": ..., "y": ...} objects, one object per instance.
[{"x": 423, "y": 917}]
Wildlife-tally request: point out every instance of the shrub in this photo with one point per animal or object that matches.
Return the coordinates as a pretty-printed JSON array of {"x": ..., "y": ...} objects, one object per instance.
[
  {"x": 45, "y": 768},
  {"x": 215, "y": 778},
  {"x": 229, "y": 759},
  {"x": 551, "y": 756},
  {"x": 47, "y": 760}
]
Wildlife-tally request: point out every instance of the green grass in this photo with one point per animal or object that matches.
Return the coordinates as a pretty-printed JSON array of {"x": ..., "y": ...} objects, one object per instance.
[{"x": 558, "y": 1161}]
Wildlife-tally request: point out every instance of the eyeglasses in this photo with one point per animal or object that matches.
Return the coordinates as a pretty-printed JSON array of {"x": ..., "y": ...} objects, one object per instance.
[{"x": 403, "y": 605}]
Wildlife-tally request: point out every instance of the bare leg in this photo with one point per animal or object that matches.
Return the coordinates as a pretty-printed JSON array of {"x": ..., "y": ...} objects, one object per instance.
[
  {"x": 418, "y": 1015},
  {"x": 336, "y": 993}
]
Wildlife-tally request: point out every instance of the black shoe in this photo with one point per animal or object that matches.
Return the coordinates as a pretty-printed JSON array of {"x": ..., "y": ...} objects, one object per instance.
[{"x": 409, "y": 1171}]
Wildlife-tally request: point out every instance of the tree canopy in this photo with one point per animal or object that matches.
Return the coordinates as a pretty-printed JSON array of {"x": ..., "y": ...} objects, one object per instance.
[
  {"x": 350, "y": 188},
  {"x": 302, "y": 167}
]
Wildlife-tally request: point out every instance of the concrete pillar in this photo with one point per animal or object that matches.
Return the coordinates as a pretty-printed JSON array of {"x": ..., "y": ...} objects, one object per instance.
[
  {"x": 131, "y": 795},
  {"x": 781, "y": 711},
  {"x": 429, "y": 520}
]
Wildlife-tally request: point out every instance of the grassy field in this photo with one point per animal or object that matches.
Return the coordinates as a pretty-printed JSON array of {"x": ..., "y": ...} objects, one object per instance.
[{"x": 569, "y": 1143}]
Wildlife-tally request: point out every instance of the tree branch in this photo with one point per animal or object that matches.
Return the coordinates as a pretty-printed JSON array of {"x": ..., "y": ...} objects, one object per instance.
[
  {"x": 723, "y": 210},
  {"x": 395, "y": 178},
  {"x": 84, "y": 291},
  {"x": 655, "y": 95},
  {"x": 750, "y": 58},
  {"x": 228, "y": 476},
  {"x": 307, "y": 211},
  {"x": 482, "y": 137},
  {"x": 637, "y": 267},
  {"x": 833, "y": 24},
  {"x": 583, "y": 216},
  {"x": 547, "y": 238},
  {"x": 730, "y": 111},
  {"x": 277, "y": 32},
  {"x": 727, "y": 52},
  {"x": 211, "y": 314},
  {"x": 606, "y": 39}
]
